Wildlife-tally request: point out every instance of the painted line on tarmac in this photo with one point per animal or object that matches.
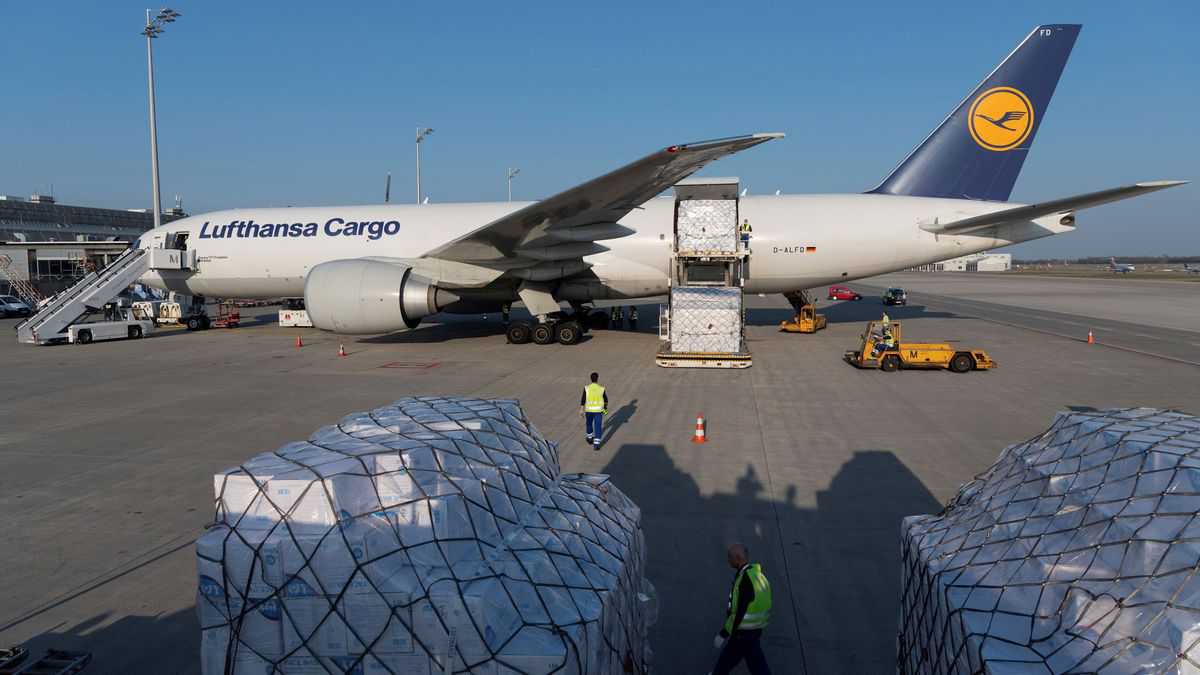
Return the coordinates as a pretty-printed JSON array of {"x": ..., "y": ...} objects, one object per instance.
[
  {"x": 979, "y": 305},
  {"x": 1074, "y": 338}
]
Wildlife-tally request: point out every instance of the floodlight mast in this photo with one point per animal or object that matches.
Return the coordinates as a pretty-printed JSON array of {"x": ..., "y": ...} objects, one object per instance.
[
  {"x": 152, "y": 29},
  {"x": 510, "y": 174},
  {"x": 422, "y": 132}
]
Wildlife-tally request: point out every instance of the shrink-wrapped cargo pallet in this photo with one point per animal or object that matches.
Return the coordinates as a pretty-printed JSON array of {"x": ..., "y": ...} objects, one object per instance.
[
  {"x": 706, "y": 226},
  {"x": 706, "y": 319},
  {"x": 1077, "y": 552},
  {"x": 431, "y": 536}
]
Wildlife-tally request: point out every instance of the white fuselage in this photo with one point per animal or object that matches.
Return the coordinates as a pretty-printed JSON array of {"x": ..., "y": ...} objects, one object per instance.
[{"x": 799, "y": 241}]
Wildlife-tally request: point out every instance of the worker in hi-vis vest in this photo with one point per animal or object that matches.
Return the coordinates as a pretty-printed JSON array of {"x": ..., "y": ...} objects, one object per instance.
[
  {"x": 745, "y": 231},
  {"x": 593, "y": 405},
  {"x": 746, "y": 616}
]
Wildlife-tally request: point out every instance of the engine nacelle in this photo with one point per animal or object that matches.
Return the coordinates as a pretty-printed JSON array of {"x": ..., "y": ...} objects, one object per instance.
[{"x": 369, "y": 297}]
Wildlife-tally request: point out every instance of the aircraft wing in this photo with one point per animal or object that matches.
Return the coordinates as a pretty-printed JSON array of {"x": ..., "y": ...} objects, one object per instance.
[
  {"x": 547, "y": 240},
  {"x": 1057, "y": 206}
]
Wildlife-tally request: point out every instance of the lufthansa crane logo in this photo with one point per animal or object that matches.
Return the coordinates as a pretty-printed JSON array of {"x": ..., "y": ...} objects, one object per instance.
[{"x": 1001, "y": 119}]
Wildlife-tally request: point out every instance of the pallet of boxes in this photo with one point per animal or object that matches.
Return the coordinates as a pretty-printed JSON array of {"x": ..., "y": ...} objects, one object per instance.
[
  {"x": 703, "y": 323},
  {"x": 429, "y": 537}
]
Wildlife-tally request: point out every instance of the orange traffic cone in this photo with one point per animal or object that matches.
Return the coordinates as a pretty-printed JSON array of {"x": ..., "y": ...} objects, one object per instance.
[
  {"x": 299, "y": 342},
  {"x": 341, "y": 349},
  {"x": 699, "y": 436},
  {"x": 1091, "y": 340}
]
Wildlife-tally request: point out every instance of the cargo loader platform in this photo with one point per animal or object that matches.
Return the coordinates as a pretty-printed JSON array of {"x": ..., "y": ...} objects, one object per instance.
[{"x": 703, "y": 325}]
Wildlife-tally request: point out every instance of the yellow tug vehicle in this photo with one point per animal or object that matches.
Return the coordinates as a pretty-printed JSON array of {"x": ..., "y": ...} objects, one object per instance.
[{"x": 875, "y": 352}]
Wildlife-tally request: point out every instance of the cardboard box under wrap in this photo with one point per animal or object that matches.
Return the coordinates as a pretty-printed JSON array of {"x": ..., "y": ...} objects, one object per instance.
[
  {"x": 706, "y": 319},
  {"x": 706, "y": 226},
  {"x": 430, "y": 534}
]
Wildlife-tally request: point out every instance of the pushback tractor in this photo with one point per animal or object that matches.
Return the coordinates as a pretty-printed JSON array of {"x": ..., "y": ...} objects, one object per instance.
[{"x": 874, "y": 352}]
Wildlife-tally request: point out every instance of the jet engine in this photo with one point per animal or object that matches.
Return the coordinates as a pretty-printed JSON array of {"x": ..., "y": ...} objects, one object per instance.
[{"x": 369, "y": 296}]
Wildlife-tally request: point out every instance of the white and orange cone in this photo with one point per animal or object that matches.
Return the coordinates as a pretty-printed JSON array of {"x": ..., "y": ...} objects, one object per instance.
[
  {"x": 299, "y": 342},
  {"x": 700, "y": 436},
  {"x": 341, "y": 349},
  {"x": 1091, "y": 340}
]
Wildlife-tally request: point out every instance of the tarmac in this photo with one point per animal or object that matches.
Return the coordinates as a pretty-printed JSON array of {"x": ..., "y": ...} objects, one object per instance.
[{"x": 109, "y": 450}]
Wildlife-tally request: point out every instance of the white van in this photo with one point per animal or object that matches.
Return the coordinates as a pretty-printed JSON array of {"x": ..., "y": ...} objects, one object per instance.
[{"x": 134, "y": 325}]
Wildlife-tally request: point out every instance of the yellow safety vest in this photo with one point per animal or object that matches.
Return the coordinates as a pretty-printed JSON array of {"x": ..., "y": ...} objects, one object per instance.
[
  {"x": 594, "y": 401},
  {"x": 746, "y": 229},
  {"x": 758, "y": 613}
]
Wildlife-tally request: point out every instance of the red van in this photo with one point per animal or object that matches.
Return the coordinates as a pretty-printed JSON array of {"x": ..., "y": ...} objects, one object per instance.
[{"x": 843, "y": 293}]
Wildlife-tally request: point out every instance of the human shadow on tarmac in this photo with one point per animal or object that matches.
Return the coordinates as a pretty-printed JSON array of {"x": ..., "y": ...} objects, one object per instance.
[
  {"x": 160, "y": 643},
  {"x": 837, "y": 609},
  {"x": 619, "y": 418}
]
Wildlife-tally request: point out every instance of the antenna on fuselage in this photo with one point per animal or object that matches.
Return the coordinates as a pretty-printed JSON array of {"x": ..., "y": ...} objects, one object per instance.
[{"x": 387, "y": 189}]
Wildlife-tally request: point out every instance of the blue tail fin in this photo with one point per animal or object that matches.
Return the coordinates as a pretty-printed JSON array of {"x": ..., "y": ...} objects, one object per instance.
[{"x": 977, "y": 152}]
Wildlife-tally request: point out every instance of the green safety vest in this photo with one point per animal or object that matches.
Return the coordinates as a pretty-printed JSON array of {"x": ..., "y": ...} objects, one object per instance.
[
  {"x": 758, "y": 614},
  {"x": 595, "y": 398}
]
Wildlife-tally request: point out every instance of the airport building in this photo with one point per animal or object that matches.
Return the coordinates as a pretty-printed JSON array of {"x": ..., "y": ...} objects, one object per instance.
[
  {"x": 976, "y": 262},
  {"x": 48, "y": 245}
]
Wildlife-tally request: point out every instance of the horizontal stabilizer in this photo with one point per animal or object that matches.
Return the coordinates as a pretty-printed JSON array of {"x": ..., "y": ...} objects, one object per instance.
[{"x": 1057, "y": 206}]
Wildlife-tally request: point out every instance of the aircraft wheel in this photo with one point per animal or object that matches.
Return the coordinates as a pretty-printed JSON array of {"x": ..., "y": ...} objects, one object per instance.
[
  {"x": 962, "y": 363},
  {"x": 84, "y": 337},
  {"x": 597, "y": 320},
  {"x": 890, "y": 364},
  {"x": 543, "y": 334},
  {"x": 518, "y": 333},
  {"x": 568, "y": 332}
]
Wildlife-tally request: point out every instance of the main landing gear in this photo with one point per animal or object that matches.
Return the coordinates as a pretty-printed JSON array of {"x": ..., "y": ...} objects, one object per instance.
[{"x": 565, "y": 329}]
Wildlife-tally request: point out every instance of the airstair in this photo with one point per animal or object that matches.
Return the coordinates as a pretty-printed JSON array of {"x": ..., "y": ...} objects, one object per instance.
[
  {"x": 18, "y": 282},
  {"x": 49, "y": 323},
  {"x": 703, "y": 326}
]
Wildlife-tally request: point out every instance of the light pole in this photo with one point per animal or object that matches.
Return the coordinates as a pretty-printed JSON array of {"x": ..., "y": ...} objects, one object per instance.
[
  {"x": 422, "y": 132},
  {"x": 154, "y": 27},
  {"x": 510, "y": 174}
]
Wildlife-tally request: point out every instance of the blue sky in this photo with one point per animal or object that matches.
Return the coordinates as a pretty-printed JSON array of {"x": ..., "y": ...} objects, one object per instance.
[{"x": 309, "y": 103}]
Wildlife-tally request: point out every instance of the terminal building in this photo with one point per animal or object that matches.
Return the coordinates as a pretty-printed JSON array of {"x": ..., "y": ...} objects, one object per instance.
[
  {"x": 46, "y": 246},
  {"x": 976, "y": 262}
]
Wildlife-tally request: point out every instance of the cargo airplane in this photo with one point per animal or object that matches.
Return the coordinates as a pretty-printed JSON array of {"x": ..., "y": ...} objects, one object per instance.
[{"x": 377, "y": 269}]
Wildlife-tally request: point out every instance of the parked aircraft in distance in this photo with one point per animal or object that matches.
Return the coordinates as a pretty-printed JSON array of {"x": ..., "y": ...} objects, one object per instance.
[{"x": 1119, "y": 268}]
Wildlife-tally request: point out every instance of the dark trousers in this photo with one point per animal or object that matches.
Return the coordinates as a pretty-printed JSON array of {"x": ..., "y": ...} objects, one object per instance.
[
  {"x": 743, "y": 644},
  {"x": 594, "y": 425}
]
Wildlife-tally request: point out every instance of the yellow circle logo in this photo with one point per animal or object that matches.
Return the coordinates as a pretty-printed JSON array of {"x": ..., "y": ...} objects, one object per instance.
[{"x": 1001, "y": 119}]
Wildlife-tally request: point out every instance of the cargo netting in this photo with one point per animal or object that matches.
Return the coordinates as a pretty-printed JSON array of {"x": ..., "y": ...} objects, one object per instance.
[
  {"x": 1076, "y": 552},
  {"x": 706, "y": 226},
  {"x": 432, "y": 536},
  {"x": 706, "y": 319}
]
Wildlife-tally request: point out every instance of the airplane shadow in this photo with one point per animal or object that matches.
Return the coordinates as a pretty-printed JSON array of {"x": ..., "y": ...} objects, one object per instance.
[
  {"x": 848, "y": 312},
  {"x": 442, "y": 332},
  {"x": 835, "y": 568}
]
